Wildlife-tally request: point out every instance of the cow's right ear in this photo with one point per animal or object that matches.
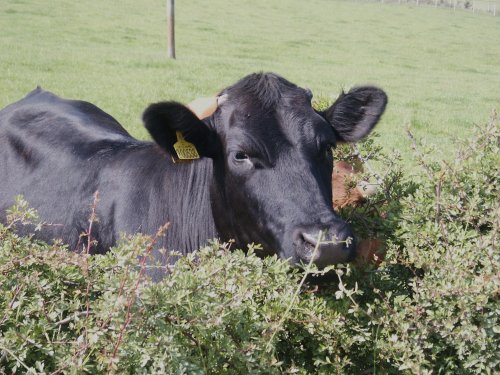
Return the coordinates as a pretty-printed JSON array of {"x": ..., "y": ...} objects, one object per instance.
[{"x": 164, "y": 120}]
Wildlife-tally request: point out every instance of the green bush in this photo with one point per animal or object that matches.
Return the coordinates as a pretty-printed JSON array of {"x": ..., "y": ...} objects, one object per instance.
[{"x": 430, "y": 307}]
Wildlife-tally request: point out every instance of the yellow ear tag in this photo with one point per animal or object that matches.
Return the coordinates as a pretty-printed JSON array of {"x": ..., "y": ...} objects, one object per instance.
[{"x": 184, "y": 149}]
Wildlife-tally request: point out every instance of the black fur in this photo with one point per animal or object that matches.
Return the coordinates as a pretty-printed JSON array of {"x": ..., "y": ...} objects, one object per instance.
[
  {"x": 163, "y": 120},
  {"x": 267, "y": 89},
  {"x": 353, "y": 115},
  {"x": 264, "y": 175}
]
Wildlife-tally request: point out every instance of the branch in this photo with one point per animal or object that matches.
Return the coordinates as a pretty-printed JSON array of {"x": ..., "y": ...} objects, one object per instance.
[
  {"x": 71, "y": 317},
  {"x": 379, "y": 179},
  {"x": 419, "y": 154}
]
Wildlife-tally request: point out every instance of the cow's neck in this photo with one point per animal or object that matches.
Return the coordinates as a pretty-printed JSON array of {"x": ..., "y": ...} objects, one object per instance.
[
  {"x": 222, "y": 209},
  {"x": 186, "y": 204}
]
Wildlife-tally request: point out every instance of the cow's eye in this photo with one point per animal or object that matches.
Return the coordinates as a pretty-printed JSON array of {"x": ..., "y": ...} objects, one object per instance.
[{"x": 240, "y": 156}]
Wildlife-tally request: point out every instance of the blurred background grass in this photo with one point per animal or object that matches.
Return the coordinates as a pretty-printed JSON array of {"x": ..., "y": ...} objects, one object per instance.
[{"x": 441, "y": 69}]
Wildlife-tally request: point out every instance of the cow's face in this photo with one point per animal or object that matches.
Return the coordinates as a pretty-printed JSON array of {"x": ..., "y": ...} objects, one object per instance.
[{"x": 273, "y": 162}]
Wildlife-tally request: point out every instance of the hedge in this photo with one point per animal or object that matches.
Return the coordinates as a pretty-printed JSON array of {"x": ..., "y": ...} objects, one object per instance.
[{"x": 429, "y": 307}]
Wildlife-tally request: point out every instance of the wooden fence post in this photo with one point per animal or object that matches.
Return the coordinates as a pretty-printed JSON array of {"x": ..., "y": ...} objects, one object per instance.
[{"x": 171, "y": 28}]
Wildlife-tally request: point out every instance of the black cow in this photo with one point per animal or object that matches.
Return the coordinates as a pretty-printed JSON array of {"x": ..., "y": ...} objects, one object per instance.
[{"x": 264, "y": 175}]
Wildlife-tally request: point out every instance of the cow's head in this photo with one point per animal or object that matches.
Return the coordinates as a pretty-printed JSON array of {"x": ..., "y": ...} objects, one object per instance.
[{"x": 273, "y": 163}]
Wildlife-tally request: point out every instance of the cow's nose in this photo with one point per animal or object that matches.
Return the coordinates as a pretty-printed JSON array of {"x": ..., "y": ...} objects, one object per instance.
[{"x": 326, "y": 246}]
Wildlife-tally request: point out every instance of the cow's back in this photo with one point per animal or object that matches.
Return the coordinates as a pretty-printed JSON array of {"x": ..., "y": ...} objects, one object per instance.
[
  {"x": 44, "y": 118},
  {"x": 57, "y": 153},
  {"x": 54, "y": 152}
]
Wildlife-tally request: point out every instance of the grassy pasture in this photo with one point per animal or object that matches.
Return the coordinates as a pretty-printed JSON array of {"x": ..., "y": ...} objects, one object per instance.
[
  {"x": 65, "y": 313},
  {"x": 441, "y": 69}
]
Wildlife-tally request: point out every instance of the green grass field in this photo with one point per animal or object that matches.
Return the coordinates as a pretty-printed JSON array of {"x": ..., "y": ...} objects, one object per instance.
[{"x": 441, "y": 69}]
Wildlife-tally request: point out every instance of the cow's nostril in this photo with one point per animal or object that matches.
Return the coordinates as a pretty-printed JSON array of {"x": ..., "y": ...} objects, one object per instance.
[
  {"x": 310, "y": 238},
  {"x": 325, "y": 247},
  {"x": 325, "y": 239}
]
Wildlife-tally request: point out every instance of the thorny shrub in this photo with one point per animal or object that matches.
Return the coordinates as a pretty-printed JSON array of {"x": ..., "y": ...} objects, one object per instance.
[{"x": 430, "y": 307}]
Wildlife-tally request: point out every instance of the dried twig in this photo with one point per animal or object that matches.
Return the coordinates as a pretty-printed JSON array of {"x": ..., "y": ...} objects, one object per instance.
[
  {"x": 419, "y": 154},
  {"x": 71, "y": 317},
  {"x": 366, "y": 163},
  {"x": 129, "y": 315},
  {"x": 18, "y": 360}
]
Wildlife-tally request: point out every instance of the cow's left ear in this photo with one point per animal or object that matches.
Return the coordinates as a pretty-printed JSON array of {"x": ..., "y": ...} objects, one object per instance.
[
  {"x": 164, "y": 120},
  {"x": 353, "y": 115}
]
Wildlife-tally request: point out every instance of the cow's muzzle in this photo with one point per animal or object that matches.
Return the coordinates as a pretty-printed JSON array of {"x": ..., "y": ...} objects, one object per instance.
[{"x": 325, "y": 246}]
